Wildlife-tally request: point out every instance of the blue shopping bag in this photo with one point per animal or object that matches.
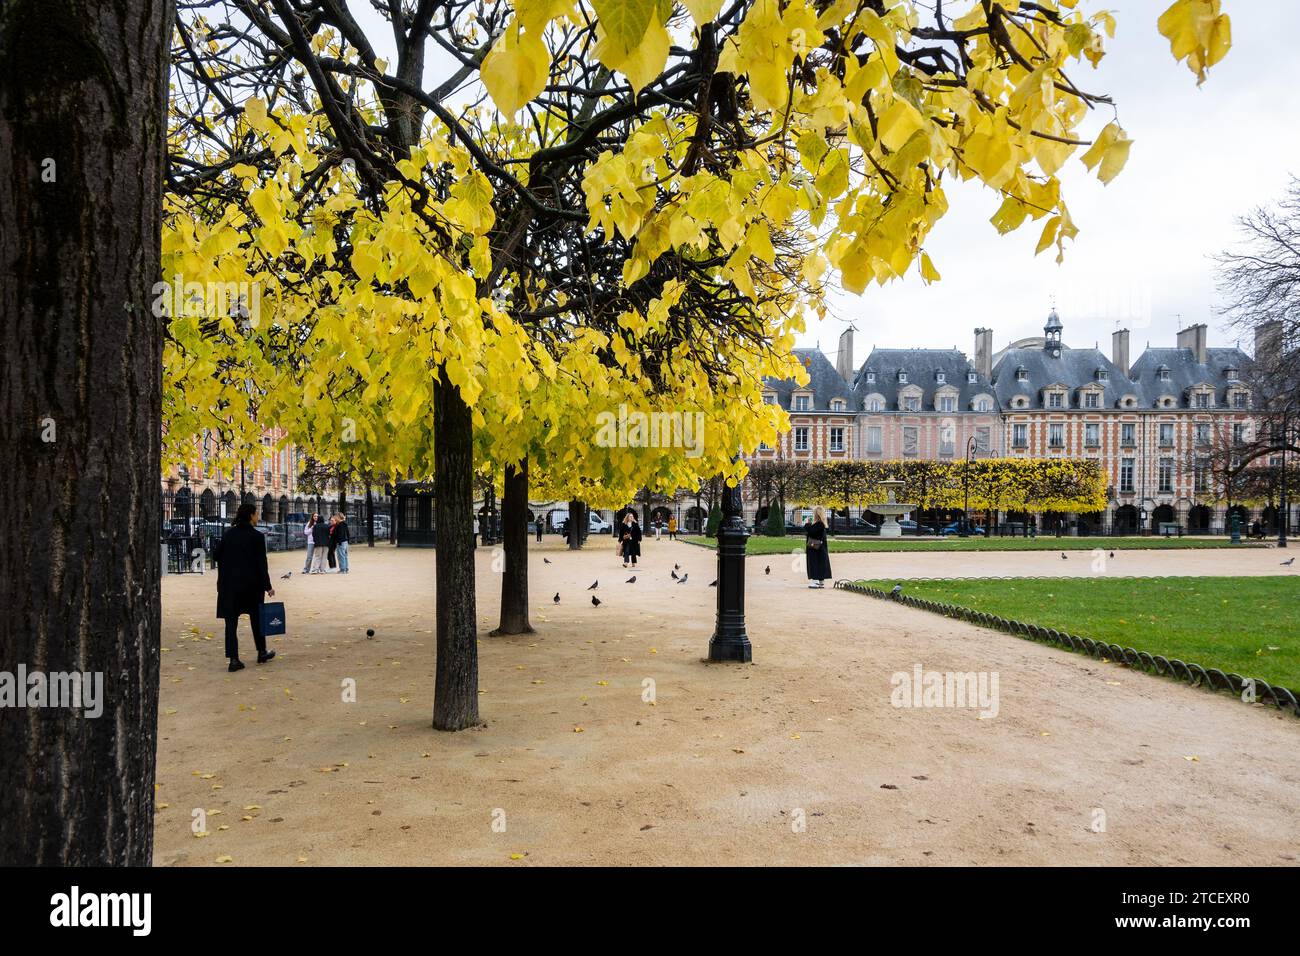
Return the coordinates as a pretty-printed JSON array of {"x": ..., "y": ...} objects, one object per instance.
[{"x": 273, "y": 618}]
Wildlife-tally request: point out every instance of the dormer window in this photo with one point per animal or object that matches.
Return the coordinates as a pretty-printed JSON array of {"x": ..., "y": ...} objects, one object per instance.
[
  {"x": 902, "y": 376},
  {"x": 1022, "y": 374},
  {"x": 1231, "y": 373},
  {"x": 837, "y": 405},
  {"x": 971, "y": 378},
  {"x": 1162, "y": 373},
  {"x": 939, "y": 377},
  {"x": 871, "y": 376},
  {"x": 1102, "y": 375},
  {"x": 802, "y": 403}
]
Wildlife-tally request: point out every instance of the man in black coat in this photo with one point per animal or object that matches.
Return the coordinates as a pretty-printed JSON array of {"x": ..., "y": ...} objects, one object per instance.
[{"x": 242, "y": 581}]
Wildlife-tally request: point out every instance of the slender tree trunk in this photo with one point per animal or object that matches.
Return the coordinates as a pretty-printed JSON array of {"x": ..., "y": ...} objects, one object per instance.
[
  {"x": 370, "y": 515},
  {"x": 577, "y": 524},
  {"x": 455, "y": 696},
  {"x": 514, "y": 538},
  {"x": 83, "y": 90}
]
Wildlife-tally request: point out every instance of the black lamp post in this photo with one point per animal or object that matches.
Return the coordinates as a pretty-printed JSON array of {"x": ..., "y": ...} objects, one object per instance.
[
  {"x": 185, "y": 488},
  {"x": 965, "y": 510},
  {"x": 729, "y": 641}
]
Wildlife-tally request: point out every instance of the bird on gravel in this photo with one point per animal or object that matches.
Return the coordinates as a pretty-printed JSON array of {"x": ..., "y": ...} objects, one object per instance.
[
  {"x": 1064, "y": 556},
  {"x": 593, "y": 584},
  {"x": 556, "y": 599},
  {"x": 631, "y": 580},
  {"x": 286, "y": 577},
  {"x": 682, "y": 579},
  {"x": 677, "y": 567},
  {"x": 673, "y": 574},
  {"x": 370, "y": 633},
  {"x": 546, "y": 560},
  {"x": 1288, "y": 562},
  {"x": 896, "y": 591},
  {"x": 595, "y": 601},
  {"x": 713, "y": 583},
  {"x": 1112, "y": 554},
  {"x": 768, "y": 569}
]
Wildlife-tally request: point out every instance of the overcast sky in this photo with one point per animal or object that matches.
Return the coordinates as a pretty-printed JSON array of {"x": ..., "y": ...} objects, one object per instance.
[{"x": 1143, "y": 255}]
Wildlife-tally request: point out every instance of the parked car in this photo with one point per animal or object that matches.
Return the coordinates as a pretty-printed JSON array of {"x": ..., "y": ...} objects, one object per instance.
[
  {"x": 860, "y": 525},
  {"x": 911, "y": 527},
  {"x": 955, "y": 528}
]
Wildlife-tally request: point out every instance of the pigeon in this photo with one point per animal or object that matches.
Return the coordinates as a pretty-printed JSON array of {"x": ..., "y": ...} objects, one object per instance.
[
  {"x": 673, "y": 574},
  {"x": 768, "y": 569},
  {"x": 556, "y": 599},
  {"x": 370, "y": 632},
  {"x": 593, "y": 584},
  {"x": 546, "y": 560},
  {"x": 595, "y": 601},
  {"x": 286, "y": 577},
  {"x": 1112, "y": 554},
  {"x": 677, "y": 567},
  {"x": 713, "y": 583},
  {"x": 682, "y": 579},
  {"x": 1064, "y": 556},
  {"x": 896, "y": 591},
  {"x": 631, "y": 580},
  {"x": 1288, "y": 562}
]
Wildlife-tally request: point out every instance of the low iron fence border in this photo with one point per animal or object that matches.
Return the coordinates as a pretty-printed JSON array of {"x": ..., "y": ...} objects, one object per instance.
[{"x": 1193, "y": 674}]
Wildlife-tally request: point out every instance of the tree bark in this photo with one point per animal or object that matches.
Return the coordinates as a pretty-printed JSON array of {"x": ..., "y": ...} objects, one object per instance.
[
  {"x": 577, "y": 524},
  {"x": 83, "y": 86},
  {"x": 514, "y": 539},
  {"x": 455, "y": 696}
]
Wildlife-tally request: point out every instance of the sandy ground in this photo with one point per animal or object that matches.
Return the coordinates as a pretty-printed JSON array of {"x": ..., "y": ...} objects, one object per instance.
[{"x": 799, "y": 758}]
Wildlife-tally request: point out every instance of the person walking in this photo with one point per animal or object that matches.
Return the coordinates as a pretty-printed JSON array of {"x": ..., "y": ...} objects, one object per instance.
[
  {"x": 339, "y": 537},
  {"x": 816, "y": 554},
  {"x": 539, "y": 529},
  {"x": 311, "y": 544},
  {"x": 320, "y": 536},
  {"x": 672, "y": 528},
  {"x": 243, "y": 580},
  {"x": 631, "y": 539}
]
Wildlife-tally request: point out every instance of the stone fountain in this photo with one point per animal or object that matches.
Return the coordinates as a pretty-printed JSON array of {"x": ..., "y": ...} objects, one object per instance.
[{"x": 891, "y": 510}]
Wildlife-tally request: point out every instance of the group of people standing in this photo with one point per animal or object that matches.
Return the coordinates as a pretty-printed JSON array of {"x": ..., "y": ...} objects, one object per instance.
[{"x": 326, "y": 542}]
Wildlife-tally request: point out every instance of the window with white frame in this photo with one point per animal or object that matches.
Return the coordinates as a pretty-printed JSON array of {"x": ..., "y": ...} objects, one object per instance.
[
  {"x": 1166, "y": 475},
  {"x": 837, "y": 439},
  {"x": 1127, "y": 433},
  {"x": 1092, "y": 435},
  {"x": 947, "y": 403},
  {"x": 1166, "y": 434},
  {"x": 1020, "y": 436},
  {"x": 1092, "y": 400},
  {"x": 801, "y": 438},
  {"x": 1055, "y": 400},
  {"x": 802, "y": 403},
  {"x": 1056, "y": 435},
  {"x": 1126, "y": 475}
]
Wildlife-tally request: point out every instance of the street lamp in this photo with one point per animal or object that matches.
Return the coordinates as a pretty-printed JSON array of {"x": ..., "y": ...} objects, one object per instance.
[
  {"x": 1282, "y": 519},
  {"x": 965, "y": 510}
]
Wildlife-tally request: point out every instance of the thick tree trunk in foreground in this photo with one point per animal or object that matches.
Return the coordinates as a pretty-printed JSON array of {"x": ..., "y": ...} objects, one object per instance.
[
  {"x": 514, "y": 538},
  {"x": 455, "y": 695},
  {"x": 83, "y": 90}
]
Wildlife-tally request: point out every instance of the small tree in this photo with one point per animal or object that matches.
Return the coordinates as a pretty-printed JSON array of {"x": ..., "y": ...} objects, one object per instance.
[
  {"x": 715, "y": 520},
  {"x": 775, "y": 519}
]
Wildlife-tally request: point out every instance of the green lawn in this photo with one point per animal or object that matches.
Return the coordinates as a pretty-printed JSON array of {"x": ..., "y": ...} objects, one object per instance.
[
  {"x": 761, "y": 544},
  {"x": 1250, "y": 626}
]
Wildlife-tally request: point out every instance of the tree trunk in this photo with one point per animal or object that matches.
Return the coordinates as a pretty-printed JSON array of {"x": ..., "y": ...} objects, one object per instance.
[
  {"x": 83, "y": 90},
  {"x": 370, "y": 515},
  {"x": 455, "y": 696},
  {"x": 577, "y": 524},
  {"x": 514, "y": 538}
]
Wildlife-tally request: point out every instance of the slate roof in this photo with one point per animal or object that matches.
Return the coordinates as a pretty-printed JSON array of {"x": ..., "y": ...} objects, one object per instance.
[
  {"x": 921, "y": 366},
  {"x": 1185, "y": 371},
  {"x": 1074, "y": 368},
  {"x": 823, "y": 380}
]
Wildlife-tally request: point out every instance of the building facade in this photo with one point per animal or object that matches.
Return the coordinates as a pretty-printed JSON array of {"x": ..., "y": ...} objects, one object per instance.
[{"x": 1150, "y": 424}]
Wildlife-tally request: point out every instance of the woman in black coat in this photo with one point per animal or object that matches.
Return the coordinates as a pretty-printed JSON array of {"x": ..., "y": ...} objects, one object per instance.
[
  {"x": 242, "y": 581},
  {"x": 630, "y": 534},
  {"x": 816, "y": 552}
]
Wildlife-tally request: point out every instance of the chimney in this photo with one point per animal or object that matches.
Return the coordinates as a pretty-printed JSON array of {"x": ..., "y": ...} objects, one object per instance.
[
  {"x": 1193, "y": 337},
  {"x": 1119, "y": 350},
  {"x": 844, "y": 358},
  {"x": 1268, "y": 340},
  {"x": 984, "y": 352}
]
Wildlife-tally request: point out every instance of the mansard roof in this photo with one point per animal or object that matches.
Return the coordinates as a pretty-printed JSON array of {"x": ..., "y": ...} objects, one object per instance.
[
  {"x": 1073, "y": 368},
  {"x": 921, "y": 366},
  {"x": 823, "y": 381},
  {"x": 1185, "y": 372}
]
